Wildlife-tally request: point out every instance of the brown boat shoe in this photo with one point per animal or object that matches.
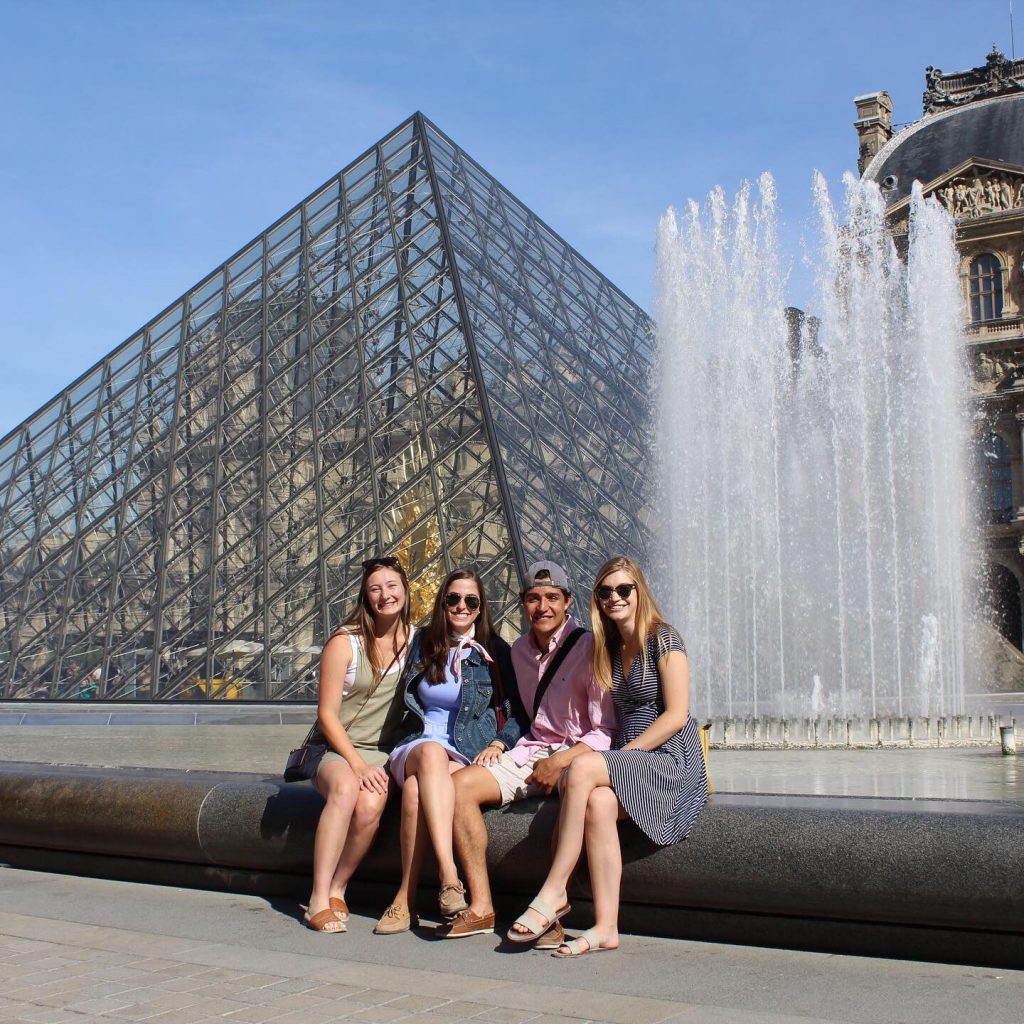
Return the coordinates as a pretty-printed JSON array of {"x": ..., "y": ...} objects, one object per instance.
[
  {"x": 553, "y": 938},
  {"x": 395, "y": 919},
  {"x": 464, "y": 923}
]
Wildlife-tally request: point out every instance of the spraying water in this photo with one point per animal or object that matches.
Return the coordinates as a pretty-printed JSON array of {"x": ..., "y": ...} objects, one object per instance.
[{"x": 814, "y": 486}]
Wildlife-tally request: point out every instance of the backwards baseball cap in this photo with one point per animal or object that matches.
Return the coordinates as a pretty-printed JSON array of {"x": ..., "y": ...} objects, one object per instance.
[{"x": 546, "y": 574}]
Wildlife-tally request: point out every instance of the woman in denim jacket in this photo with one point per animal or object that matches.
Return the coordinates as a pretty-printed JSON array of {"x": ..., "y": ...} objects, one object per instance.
[{"x": 459, "y": 675}]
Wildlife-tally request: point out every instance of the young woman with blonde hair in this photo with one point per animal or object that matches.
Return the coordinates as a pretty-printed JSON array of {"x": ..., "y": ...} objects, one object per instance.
[
  {"x": 360, "y": 713},
  {"x": 654, "y": 774}
]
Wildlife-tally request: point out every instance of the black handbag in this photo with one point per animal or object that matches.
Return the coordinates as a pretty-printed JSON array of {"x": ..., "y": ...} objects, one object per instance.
[{"x": 304, "y": 760}]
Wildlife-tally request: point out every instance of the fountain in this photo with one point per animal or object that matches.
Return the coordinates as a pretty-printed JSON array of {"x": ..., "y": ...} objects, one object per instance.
[{"x": 814, "y": 480}]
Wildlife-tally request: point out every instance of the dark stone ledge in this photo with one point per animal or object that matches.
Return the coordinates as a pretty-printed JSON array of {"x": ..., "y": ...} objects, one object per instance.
[{"x": 931, "y": 879}]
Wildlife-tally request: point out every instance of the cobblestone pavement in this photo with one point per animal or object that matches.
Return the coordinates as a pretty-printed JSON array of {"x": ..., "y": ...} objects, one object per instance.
[{"x": 92, "y": 950}]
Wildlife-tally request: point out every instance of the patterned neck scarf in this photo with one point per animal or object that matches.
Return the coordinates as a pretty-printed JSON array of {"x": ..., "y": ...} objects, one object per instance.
[{"x": 462, "y": 641}]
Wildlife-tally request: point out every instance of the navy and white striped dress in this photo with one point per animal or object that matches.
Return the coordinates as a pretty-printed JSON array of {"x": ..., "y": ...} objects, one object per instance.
[{"x": 662, "y": 790}]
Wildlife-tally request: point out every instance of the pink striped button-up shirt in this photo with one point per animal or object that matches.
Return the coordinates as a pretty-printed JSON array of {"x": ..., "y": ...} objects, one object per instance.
[{"x": 574, "y": 709}]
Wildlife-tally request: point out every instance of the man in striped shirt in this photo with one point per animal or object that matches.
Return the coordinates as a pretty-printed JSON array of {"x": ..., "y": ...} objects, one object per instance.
[{"x": 572, "y": 716}]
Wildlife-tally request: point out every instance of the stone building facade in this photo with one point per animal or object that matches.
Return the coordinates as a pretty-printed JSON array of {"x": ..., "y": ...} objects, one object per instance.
[{"x": 967, "y": 150}]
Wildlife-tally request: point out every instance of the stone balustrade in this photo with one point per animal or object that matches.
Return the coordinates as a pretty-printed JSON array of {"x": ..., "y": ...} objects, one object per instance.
[{"x": 765, "y": 732}]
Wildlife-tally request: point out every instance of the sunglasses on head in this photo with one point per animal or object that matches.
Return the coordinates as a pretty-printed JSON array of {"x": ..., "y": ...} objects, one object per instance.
[
  {"x": 386, "y": 562},
  {"x": 452, "y": 600},
  {"x": 623, "y": 590}
]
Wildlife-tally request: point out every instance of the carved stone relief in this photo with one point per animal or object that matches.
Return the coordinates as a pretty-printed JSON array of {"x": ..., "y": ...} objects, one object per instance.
[
  {"x": 985, "y": 192},
  {"x": 998, "y": 369}
]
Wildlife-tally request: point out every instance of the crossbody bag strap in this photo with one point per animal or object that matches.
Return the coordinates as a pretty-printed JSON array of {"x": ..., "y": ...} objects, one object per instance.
[
  {"x": 371, "y": 692},
  {"x": 555, "y": 665},
  {"x": 315, "y": 728}
]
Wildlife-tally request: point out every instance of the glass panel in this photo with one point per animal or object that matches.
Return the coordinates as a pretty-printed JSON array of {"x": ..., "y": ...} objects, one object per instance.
[{"x": 217, "y": 480}]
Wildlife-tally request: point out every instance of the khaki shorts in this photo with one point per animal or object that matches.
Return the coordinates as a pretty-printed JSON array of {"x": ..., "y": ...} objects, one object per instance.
[
  {"x": 375, "y": 757},
  {"x": 511, "y": 777}
]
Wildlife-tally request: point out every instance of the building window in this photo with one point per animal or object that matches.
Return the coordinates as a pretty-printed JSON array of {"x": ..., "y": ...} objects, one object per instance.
[
  {"x": 986, "y": 288},
  {"x": 996, "y": 453}
]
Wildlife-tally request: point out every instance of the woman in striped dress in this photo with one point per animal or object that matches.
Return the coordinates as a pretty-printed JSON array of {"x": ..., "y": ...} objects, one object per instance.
[{"x": 655, "y": 773}]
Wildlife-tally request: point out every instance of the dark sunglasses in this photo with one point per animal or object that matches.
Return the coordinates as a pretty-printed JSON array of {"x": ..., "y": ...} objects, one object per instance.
[
  {"x": 452, "y": 600},
  {"x": 387, "y": 562},
  {"x": 623, "y": 590}
]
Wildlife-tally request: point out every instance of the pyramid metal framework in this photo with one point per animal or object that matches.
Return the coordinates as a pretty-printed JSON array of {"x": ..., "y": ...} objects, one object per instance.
[{"x": 408, "y": 362}]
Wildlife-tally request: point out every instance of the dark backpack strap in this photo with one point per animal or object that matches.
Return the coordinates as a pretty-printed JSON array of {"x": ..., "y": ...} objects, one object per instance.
[
  {"x": 555, "y": 665},
  {"x": 497, "y": 687}
]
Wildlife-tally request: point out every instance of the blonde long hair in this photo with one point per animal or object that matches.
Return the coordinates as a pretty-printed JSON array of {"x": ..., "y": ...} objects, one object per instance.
[
  {"x": 606, "y": 635},
  {"x": 360, "y": 622}
]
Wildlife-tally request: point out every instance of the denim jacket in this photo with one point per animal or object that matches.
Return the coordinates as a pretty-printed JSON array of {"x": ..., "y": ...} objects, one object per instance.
[{"x": 475, "y": 723}]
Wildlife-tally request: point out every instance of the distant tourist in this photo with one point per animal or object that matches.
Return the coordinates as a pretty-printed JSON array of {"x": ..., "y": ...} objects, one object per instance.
[
  {"x": 458, "y": 677},
  {"x": 571, "y": 716},
  {"x": 655, "y": 775},
  {"x": 359, "y": 713},
  {"x": 89, "y": 687}
]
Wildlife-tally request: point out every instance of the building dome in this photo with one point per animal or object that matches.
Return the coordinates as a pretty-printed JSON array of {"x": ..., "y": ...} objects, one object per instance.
[{"x": 990, "y": 129}]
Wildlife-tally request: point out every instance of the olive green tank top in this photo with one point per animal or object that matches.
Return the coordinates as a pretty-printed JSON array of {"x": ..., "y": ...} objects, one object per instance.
[{"x": 372, "y": 721}]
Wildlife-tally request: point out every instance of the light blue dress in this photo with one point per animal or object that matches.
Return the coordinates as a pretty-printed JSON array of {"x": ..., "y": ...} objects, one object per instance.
[{"x": 441, "y": 702}]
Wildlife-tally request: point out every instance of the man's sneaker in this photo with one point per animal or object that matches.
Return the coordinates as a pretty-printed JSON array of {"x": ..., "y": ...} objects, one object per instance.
[
  {"x": 466, "y": 923},
  {"x": 452, "y": 898}
]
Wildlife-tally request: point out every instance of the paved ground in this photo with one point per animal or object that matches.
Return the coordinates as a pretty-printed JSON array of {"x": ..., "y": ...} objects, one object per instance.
[
  {"x": 950, "y": 773},
  {"x": 82, "y": 949}
]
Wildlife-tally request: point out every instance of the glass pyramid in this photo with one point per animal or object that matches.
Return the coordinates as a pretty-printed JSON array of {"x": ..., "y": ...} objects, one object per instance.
[{"x": 409, "y": 362}]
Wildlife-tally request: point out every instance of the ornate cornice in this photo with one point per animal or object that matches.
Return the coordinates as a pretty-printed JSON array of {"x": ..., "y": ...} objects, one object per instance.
[{"x": 996, "y": 77}]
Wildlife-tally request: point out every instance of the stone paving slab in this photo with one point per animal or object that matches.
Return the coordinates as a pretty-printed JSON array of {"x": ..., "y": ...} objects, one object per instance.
[{"x": 83, "y": 950}]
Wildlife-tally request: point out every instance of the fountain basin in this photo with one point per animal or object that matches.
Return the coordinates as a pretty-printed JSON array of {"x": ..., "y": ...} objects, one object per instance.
[{"x": 893, "y": 877}]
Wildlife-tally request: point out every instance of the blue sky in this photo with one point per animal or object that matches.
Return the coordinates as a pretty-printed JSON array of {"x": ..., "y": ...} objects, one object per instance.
[{"x": 145, "y": 142}]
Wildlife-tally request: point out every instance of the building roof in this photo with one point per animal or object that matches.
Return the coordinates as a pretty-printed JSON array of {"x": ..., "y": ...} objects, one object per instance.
[{"x": 990, "y": 129}]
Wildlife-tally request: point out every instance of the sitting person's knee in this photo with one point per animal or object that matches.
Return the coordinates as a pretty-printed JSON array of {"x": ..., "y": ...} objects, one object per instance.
[
  {"x": 475, "y": 786},
  {"x": 428, "y": 756},
  {"x": 369, "y": 807},
  {"x": 338, "y": 786},
  {"x": 602, "y": 804},
  {"x": 583, "y": 768}
]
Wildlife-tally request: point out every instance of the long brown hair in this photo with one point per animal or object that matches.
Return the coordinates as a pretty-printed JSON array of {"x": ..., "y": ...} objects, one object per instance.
[
  {"x": 606, "y": 635},
  {"x": 434, "y": 639},
  {"x": 360, "y": 621}
]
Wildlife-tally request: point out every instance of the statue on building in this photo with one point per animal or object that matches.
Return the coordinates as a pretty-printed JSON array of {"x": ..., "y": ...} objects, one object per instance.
[{"x": 996, "y": 77}]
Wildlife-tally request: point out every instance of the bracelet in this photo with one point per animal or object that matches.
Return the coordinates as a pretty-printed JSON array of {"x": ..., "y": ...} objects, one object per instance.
[{"x": 501, "y": 746}]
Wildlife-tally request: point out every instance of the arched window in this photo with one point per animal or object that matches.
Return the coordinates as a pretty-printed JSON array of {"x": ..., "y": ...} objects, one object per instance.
[
  {"x": 996, "y": 454},
  {"x": 986, "y": 288}
]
